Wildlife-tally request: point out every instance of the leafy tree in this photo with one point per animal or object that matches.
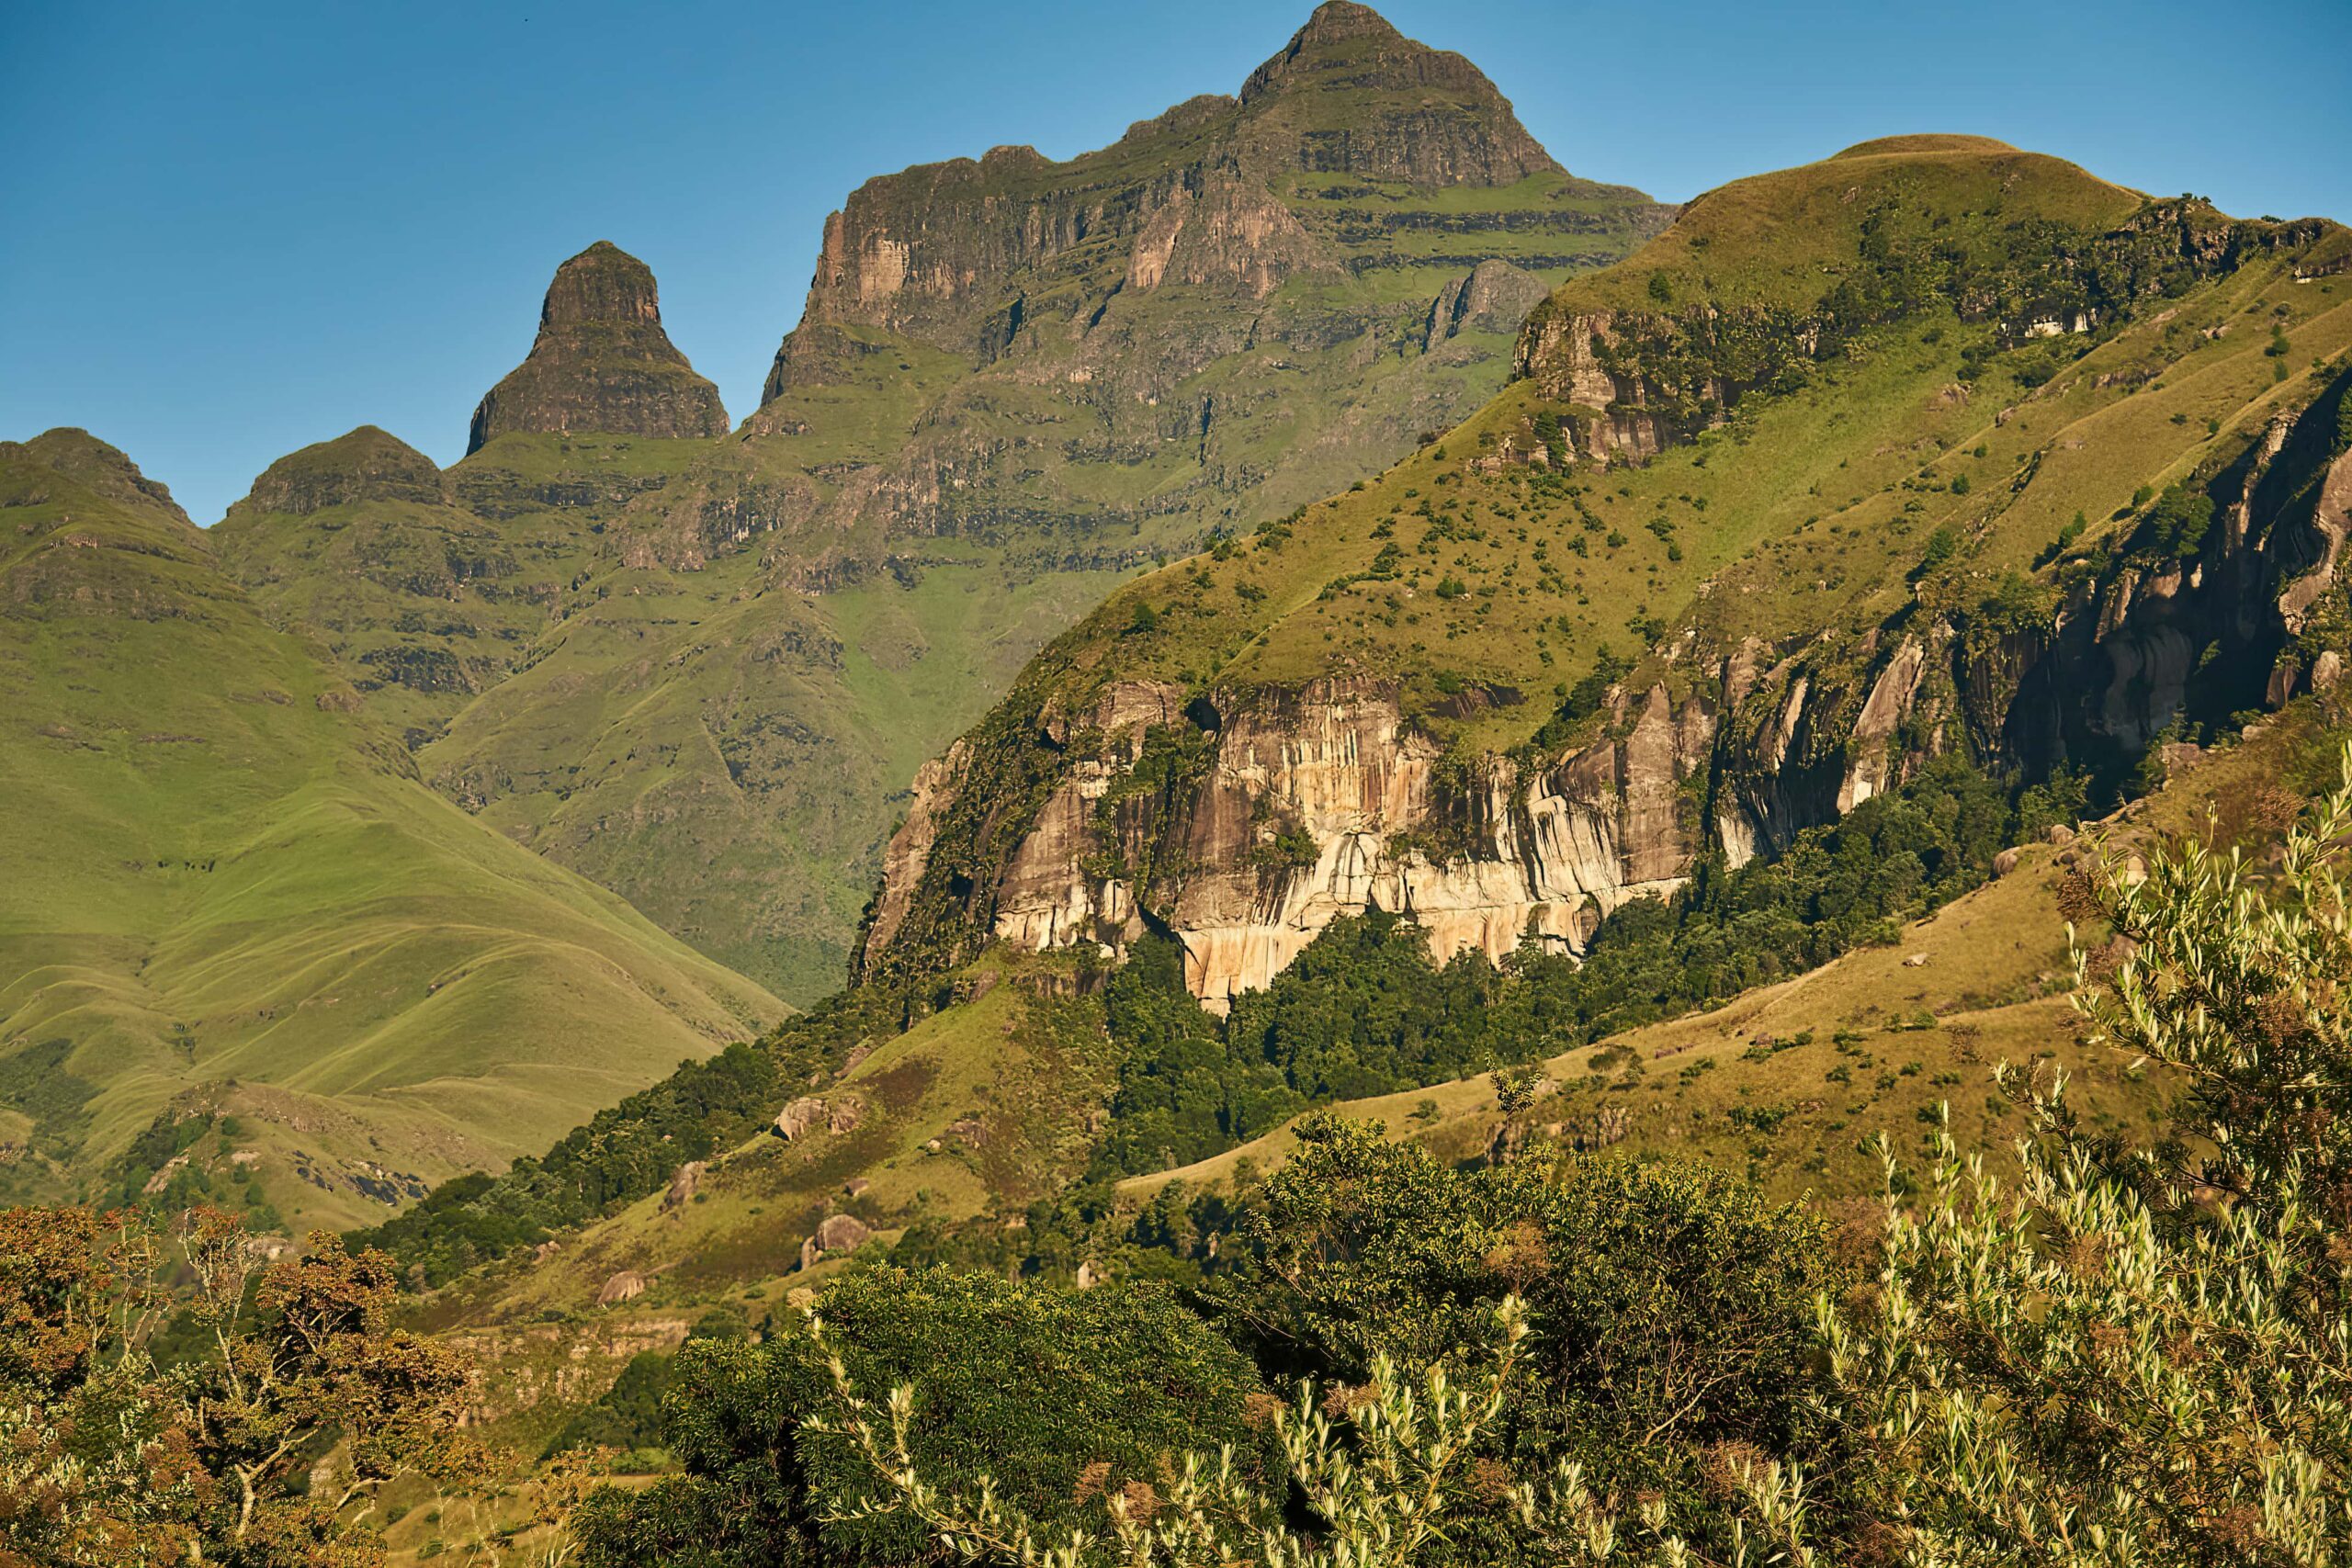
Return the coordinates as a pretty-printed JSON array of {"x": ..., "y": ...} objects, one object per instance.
[
  {"x": 110, "y": 1455},
  {"x": 1062, "y": 1399},
  {"x": 1382, "y": 1474},
  {"x": 2143, "y": 1353},
  {"x": 1670, "y": 1310},
  {"x": 2175, "y": 527}
]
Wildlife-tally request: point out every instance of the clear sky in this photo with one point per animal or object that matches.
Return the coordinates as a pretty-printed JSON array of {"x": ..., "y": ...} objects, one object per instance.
[{"x": 232, "y": 229}]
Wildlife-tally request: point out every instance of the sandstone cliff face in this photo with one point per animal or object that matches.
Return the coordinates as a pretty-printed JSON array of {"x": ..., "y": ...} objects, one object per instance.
[
  {"x": 1311, "y": 803},
  {"x": 602, "y": 362}
]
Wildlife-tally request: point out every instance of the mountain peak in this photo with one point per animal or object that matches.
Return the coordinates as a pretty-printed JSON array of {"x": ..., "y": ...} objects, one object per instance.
[
  {"x": 602, "y": 362},
  {"x": 105, "y": 468},
  {"x": 602, "y": 285},
  {"x": 1351, "y": 95},
  {"x": 1336, "y": 21},
  {"x": 366, "y": 464},
  {"x": 1931, "y": 143}
]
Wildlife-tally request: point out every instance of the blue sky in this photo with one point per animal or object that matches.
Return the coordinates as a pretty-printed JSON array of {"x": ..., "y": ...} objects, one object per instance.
[{"x": 235, "y": 229}]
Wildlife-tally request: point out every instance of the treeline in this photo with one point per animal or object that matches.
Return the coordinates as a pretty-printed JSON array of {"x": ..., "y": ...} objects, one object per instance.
[
  {"x": 1363, "y": 1011},
  {"x": 2136, "y": 1355}
]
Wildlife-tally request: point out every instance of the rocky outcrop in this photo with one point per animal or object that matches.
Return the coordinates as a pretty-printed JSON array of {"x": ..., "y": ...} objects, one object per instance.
[
  {"x": 602, "y": 362},
  {"x": 1441, "y": 121},
  {"x": 966, "y": 254},
  {"x": 1245, "y": 823},
  {"x": 1333, "y": 771},
  {"x": 1493, "y": 296}
]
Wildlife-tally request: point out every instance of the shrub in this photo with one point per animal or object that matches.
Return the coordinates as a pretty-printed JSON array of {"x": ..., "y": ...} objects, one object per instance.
[{"x": 1060, "y": 1399}]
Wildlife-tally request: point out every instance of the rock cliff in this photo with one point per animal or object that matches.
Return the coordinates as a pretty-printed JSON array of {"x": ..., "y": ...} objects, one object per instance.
[
  {"x": 601, "y": 362},
  {"x": 1324, "y": 800}
]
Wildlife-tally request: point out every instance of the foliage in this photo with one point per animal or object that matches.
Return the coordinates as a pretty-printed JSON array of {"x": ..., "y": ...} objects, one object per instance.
[
  {"x": 2143, "y": 1353},
  {"x": 2175, "y": 528},
  {"x": 1061, "y": 1398},
  {"x": 110, "y": 1454},
  {"x": 1671, "y": 1310},
  {"x": 1364, "y": 1010},
  {"x": 1382, "y": 1471}
]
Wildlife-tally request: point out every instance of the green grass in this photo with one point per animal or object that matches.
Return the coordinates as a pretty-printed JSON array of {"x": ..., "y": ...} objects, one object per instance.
[{"x": 240, "y": 895}]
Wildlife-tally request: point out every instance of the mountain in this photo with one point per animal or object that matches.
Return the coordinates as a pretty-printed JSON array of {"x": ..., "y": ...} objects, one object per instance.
[
  {"x": 601, "y": 362},
  {"x": 248, "y": 953},
  {"x": 1015, "y": 383},
  {"x": 1826, "y": 565},
  {"x": 1932, "y": 446}
]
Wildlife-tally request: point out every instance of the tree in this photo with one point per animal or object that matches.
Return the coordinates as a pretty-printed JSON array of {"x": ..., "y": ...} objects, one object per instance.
[
  {"x": 1670, "y": 1312},
  {"x": 1061, "y": 1398},
  {"x": 1381, "y": 1472},
  {"x": 109, "y": 1456},
  {"x": 2143, "y": 1353}
]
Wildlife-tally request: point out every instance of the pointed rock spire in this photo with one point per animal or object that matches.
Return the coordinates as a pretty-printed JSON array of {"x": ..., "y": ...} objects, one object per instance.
[{"x": 602, "y": 362}]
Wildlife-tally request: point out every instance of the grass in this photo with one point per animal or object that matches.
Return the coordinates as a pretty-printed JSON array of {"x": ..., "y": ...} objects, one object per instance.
[{"x": 242, "y": 899}]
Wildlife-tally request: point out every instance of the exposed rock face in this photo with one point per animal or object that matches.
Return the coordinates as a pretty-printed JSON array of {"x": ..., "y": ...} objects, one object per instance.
[
  {"x": 602, "y": 362},
  {"x": 839, "y": 1233},
  {"x": 1321, "y": 801},
  {"x": 1495, "y": 296},
  {"x": 979, "y": 255},
  {"x": 1441, "y": 123},
  {"x": 625, "y": 1286},
  {"x": 798, "y": 1119}
]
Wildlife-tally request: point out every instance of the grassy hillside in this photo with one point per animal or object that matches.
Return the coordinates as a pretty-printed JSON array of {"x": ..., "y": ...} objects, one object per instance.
[{"x": 231, "y": 904}]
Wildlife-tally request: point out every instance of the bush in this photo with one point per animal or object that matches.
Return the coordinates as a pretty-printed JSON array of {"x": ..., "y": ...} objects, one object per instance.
[{"x": 1061, "y": 1399}]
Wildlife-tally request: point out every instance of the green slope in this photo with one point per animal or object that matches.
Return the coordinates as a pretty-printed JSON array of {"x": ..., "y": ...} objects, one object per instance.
[
  {"x": 1761, "y": 489},
  {"x": 226, "y": 893}
]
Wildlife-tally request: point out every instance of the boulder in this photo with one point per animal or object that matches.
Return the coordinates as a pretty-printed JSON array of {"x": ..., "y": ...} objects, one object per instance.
[
  {"x": 684, "y": 1183},
  {"x": 799, "y": 1117},
  {"x": 2005, "y": 863},
  {"x": 625, "y": 1286}
]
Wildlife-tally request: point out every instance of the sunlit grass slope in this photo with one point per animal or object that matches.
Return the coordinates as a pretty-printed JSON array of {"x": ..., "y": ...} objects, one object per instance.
[{"x": 224, "y": 892}]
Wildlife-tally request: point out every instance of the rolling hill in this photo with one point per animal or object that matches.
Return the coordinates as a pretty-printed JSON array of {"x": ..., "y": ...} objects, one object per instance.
[{"x": 236, "y": 927}]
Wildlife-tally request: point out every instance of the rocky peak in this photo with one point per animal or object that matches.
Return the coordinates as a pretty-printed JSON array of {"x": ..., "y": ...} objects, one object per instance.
[
  {"x": 602, "y": 362},
  {"x": 1334, "y": 24},
  {"x": 366, "y": 464},
  {"x": 603, "y": 285},
  {"x": 105, "y": 469},
  {"x": 1351, "y": 95}
]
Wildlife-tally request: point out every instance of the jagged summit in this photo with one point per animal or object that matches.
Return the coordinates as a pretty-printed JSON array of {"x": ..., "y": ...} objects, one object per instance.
[
  {"x": 602, "y": 362},
  {"x": 366, "y": 464},
  {"x": 105, "y": 468}
]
